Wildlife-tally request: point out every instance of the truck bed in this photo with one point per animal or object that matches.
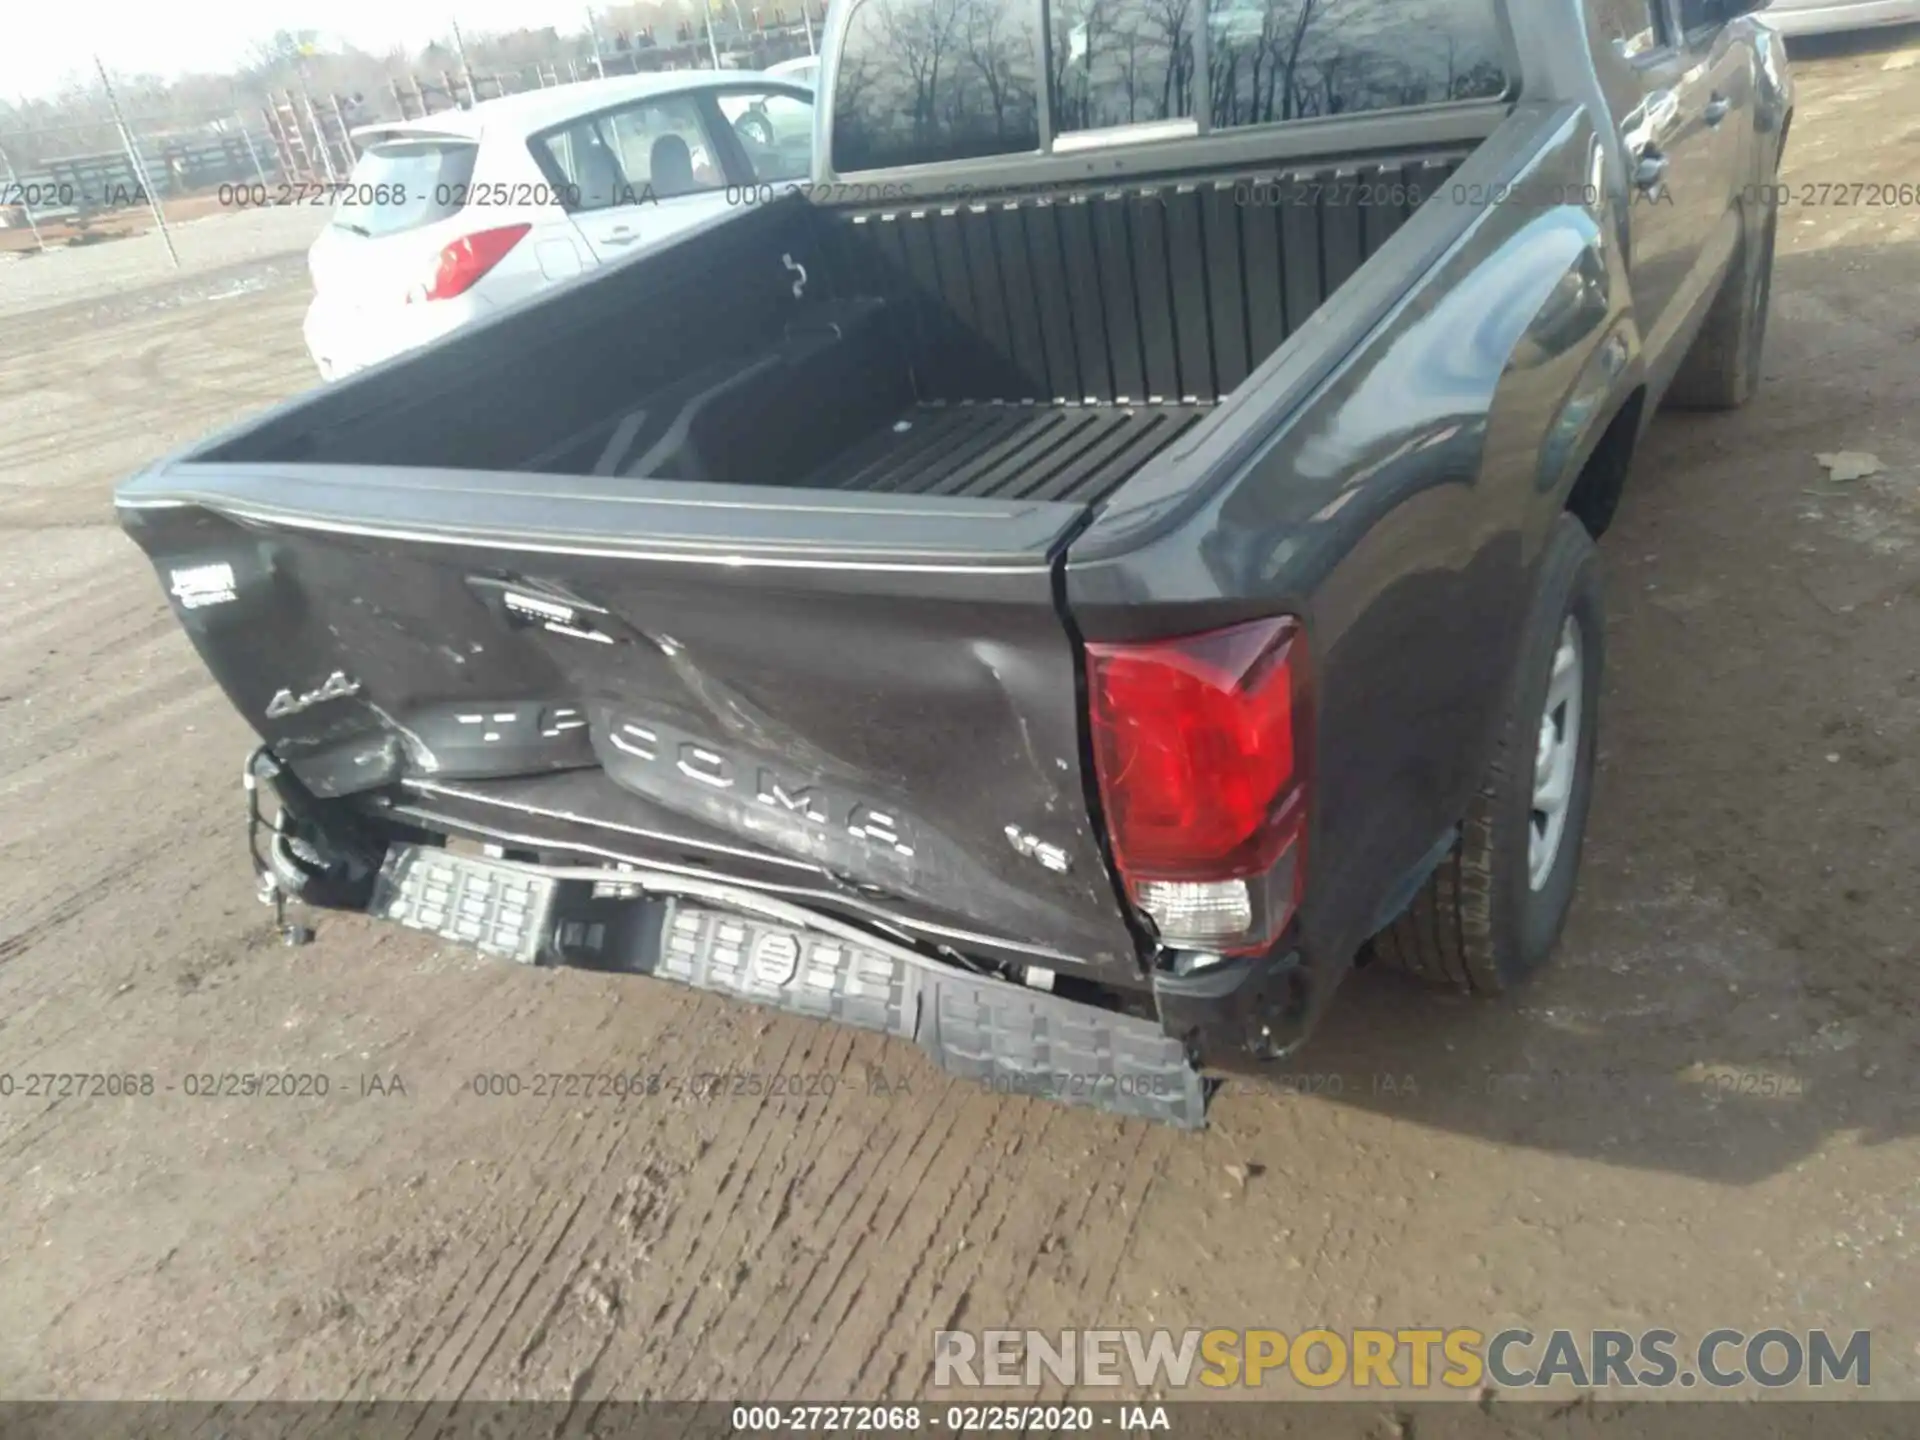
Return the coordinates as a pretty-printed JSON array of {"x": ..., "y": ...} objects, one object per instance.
[
  {"x": 1008, "y": 451},
  {"x": 1025, "y": 346}
]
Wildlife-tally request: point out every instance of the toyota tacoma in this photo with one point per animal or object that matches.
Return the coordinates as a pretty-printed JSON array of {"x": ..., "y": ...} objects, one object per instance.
[{"x": 1113, "y": 550}]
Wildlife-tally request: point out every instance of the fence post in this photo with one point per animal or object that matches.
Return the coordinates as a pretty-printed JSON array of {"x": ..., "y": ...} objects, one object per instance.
[
  {"x": 282, "y": 152},
  {"x": 466, "y": 70},
  {"x": 348, "y": 154},
  {"x": 139, "y": 166},
  {"x": 259, "y": 170},
  {"x": 295, "y": 130},
  {"x": 25, "y": 204},
  {"x": 320, "y": 136},
  {"x": 593, "y": 37}
]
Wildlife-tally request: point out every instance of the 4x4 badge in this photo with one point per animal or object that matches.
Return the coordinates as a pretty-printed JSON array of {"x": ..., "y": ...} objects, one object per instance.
[{"x": 1034, "y": 848}]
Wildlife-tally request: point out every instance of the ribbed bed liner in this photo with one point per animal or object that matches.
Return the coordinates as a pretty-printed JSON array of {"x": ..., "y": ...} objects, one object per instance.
[{"x": 1009, "y": 451}]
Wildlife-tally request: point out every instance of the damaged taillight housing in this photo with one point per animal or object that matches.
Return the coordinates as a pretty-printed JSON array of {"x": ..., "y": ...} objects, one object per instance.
[{"x": 1199, "y": 746}]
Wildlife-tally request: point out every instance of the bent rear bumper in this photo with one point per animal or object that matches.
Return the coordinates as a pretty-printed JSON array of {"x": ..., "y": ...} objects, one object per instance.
[
  {"x": 1111, "y": 1052},
  {"x": 1012, "y": 1039},
  {"x": 343, "y": 339}
]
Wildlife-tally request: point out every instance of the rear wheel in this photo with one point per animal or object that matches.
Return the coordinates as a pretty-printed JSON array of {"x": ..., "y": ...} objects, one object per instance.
[
  {"x": 1493, "y": 911},
  {"x": 1722, "y": 370}
]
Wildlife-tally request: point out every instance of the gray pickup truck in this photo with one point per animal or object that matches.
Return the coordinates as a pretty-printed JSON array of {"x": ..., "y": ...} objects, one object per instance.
[{"x": 1110, "y": 552}]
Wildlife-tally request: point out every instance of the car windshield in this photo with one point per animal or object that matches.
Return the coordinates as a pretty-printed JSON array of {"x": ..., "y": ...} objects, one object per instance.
[{"x": 400, "y": 185}]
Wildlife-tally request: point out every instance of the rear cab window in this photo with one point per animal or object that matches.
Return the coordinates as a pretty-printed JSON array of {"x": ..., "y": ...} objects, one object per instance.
[
  {"x": 927, "y": 82},
  {"x": 1279, "y": 60},
  {"x": 405, "y": 184}
]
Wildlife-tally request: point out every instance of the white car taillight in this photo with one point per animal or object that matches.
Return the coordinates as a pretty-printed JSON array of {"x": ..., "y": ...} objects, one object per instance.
[{"x": 462, "y": 262}]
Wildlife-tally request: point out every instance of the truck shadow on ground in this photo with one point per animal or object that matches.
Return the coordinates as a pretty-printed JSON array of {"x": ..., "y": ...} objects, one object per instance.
[
  {"x": 1666, "y": 1036},
  {"x": 1804, "y": 49},
  {"x": 1738, "y": 984}
]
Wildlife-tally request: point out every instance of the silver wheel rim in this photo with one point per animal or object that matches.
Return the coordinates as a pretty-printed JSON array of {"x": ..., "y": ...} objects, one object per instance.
[{"x": 1556, "y": 758}]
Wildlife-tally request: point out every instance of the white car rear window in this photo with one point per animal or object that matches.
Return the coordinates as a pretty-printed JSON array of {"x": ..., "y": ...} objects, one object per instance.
[{"x": 400, "y": 185}]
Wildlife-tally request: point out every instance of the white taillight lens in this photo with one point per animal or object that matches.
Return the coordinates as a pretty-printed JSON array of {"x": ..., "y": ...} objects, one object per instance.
[{"x": 1197, "y": 912}]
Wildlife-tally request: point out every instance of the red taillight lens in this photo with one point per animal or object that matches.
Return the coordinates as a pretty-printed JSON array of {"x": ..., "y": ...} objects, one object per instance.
[
  {"x": 1197, "y": 743},
  {"x": 465, "y": 260}
]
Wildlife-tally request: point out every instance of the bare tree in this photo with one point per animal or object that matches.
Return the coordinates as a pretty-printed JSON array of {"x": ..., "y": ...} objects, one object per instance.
[
  {"x": 1172, "y": 20},
  {"x": 1077, "y": 67},
  {"x": 995, "y": 58},
  {"x": 1122, "y": 66},
  {"x": 1127, "y": 45},
  {"x": 920, "y": 38},
  {"x": 283, "y": 50},
  {"x": 1290, "y": 65}
]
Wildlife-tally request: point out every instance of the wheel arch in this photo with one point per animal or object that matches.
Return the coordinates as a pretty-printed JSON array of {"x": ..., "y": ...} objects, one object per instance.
[{"x": 1602, "y": 480}]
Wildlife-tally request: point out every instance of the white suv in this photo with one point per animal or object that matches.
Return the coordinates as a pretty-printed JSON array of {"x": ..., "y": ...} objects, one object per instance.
[{"x": 447, "y": 218}]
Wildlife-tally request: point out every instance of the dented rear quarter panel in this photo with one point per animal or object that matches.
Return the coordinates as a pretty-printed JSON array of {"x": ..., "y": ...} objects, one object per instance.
[{"x": 1393, "y": 481}]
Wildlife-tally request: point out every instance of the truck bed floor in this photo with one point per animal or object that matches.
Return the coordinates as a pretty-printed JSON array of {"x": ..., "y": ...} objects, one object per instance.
[{"x": 1009, "y": 451}]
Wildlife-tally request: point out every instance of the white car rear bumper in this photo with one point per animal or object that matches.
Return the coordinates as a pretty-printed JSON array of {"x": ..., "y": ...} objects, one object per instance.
[
  {"x": 1825, "y": 17},
  {"x": 343, "y": 338}
]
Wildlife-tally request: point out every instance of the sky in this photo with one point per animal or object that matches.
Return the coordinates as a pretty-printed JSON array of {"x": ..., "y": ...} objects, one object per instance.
[{"x": 41, "y": 42}]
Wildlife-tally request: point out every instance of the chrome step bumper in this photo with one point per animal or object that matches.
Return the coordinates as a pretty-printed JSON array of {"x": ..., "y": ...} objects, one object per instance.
[{"x": 749, "y": 946}]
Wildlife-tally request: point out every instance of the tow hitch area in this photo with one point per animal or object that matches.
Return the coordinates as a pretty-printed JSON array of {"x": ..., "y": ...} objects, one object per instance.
[{"x": 1011, "y": 1039}]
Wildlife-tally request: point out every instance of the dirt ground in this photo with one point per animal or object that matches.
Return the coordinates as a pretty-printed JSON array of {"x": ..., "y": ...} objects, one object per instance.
[
  {"x": 237, "y": 247},
  {"x": 121, "y": 224},
  {"x": 1703, "y": 1116}
]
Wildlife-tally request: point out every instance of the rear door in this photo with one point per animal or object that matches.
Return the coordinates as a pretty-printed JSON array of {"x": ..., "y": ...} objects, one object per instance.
[
  {"x": 636, "y": 174},
  {"x": 1677, "y": 181}
]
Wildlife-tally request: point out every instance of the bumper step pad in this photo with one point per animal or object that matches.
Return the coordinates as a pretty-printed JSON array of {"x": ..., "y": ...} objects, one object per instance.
[
  {"x": 1025, "y": 1042},
  {"x": 1013, "y": 1040},
  {"x": 500, "y": 909},
  {"x": 1010, "y": 1039}
]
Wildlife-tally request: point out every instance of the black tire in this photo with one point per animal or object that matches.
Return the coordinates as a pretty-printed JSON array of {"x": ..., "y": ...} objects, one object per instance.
[
  {"x": 1479, "y": 924},
  {"x": 1722, "y": 370}
]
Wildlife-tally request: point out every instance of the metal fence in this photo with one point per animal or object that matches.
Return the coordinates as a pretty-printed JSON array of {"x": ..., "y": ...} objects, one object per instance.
[
  {"x": 74, "y": 181},
  {"x": 75, "y": 187}
]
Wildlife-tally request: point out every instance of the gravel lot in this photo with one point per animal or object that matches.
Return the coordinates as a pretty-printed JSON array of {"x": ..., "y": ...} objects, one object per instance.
[
  {"x": 234, "y": 247},
  {"x": 1703, "y": 1116}
]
